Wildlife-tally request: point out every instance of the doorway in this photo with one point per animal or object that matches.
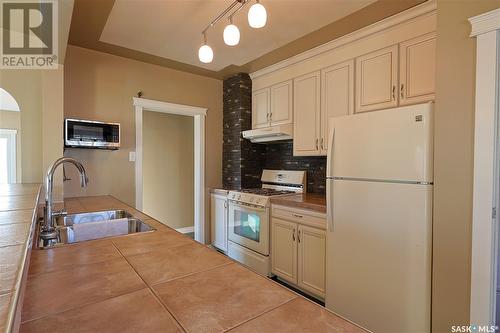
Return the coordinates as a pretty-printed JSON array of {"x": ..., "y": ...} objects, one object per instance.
[
  {"x": 198, "y": 115},
  {"x": 168, "y": 168}
]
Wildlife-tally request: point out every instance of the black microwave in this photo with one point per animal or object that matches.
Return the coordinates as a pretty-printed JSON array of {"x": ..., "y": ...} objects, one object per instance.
[{"x": 91, "y": 134}]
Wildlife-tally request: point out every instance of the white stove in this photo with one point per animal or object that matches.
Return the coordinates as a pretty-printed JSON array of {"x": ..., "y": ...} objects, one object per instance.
[{"x": 249, "y": 216}]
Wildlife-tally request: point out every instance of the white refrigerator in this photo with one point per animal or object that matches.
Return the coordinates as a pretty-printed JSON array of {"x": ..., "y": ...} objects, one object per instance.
[{"x": 379, "y": 208}]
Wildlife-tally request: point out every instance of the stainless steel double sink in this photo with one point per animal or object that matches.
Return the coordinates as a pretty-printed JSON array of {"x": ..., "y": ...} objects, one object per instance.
[{"x": 94, "y": 225}]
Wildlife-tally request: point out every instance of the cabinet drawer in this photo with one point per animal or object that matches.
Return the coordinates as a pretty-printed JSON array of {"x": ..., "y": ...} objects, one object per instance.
[{"x": 302, "y": 216}]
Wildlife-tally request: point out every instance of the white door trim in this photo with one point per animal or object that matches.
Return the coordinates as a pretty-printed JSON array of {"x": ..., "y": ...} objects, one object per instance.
[
  {"x": 486, "y": 28},
  {"x": 11, "y": 135},
  {"x": 198, "y": 115}
]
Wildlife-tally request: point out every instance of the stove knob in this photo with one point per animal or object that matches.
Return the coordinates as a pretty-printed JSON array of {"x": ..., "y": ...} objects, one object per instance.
[
  {"x": 239, "y": 196},
  {"x": 257, "y": 201},
  {"x": 251, "y": 199}
]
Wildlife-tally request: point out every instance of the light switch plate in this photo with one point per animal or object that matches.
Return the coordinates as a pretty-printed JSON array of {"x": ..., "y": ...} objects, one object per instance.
[{"x": 131, "y": 156}]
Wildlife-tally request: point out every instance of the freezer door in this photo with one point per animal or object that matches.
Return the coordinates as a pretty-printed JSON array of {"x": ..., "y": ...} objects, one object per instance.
[
  {"x": 394, "y": 144},
  {"x": 379, "y": 255}
]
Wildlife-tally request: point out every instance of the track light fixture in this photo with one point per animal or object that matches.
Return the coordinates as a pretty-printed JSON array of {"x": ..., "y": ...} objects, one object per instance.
[
  {"x": 257, "y": 15},
  {"x": 231, "y": 34},
  {"x": 205, "y": 53},
  {"x": 257, "y": 18}
]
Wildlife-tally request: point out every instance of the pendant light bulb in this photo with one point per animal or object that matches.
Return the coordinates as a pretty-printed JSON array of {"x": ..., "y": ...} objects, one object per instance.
[
  {"x": 257, "y": 16},
  {"x": 231, "y": 34},
  {"x": 205, "y": 53}
]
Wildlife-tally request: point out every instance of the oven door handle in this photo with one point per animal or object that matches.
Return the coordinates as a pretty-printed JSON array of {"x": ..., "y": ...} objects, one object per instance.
[{"x": 244, "y": 206}]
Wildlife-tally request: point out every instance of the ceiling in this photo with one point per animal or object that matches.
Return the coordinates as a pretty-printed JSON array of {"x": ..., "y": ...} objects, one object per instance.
[
  {"x": 168, "y": 32},
  {"x": 172, "y": 29}
]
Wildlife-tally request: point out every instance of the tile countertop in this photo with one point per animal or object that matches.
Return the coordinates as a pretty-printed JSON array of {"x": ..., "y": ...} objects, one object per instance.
[
  {"x": 312, "y": 201},
  {"x": 158, "y": 281},
  {"x": 17, "y": 216}
]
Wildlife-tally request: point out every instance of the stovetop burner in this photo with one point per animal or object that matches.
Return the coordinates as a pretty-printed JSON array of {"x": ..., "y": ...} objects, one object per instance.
[{"x": 266, "y": 191}]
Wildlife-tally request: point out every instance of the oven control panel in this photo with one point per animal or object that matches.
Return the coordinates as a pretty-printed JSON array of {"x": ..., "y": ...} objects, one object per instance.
[{"x": 249, "y": 199}]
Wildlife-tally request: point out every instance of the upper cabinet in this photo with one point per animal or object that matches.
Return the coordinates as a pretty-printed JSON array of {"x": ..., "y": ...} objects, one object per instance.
[
  {"x": 386, "y": 65},
  {"x": 417, "y": 62},
  {"x": 306, "y": 108},
  {"x": 317, "y": 97},
  {"x": 281, "y": 103},
  {"x": 261, "y": 108},
  {"x": 377, "y": 80},
  {"x": 337, "y": 97},
  {"x": 272, "y": 106}
]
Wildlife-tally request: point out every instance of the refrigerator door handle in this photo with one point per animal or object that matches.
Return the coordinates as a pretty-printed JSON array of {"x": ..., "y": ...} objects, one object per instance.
[
  {"x": 329, "y": 182},
  {"x": 329, "y": 158},
  {"x": 329, "y": 204}
]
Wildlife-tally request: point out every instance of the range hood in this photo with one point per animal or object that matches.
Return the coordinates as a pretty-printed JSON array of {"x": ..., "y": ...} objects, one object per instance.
[{"x": 269, "y": 134}]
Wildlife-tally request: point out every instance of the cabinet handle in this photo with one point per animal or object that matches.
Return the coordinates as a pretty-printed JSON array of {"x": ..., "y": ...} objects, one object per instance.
[
  {"x": 297, "y": 215},
  {"x": 317, "y": 143},
  {"x": 293, "y": 235},
  {"x": 402, "y": 90},
  {"x": 394, "y": 92},
  {"x": 298, "y": 236},
  {"x": 322, "y": 146}
]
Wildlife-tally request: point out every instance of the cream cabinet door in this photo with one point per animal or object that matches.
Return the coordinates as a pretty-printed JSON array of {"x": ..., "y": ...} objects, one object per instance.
[
  {"x": 417, "y": 76},
  {"x": 337, "y": 96},
  {"x": 376, "y": 80},
  {"x": 306, "y": 110},
  {"x": 311, "y": 259},
  {"x": 218, "y": 221},
  {"x": 284, "y": 250},
  {"x": 281, "y": 103},
  {"x": 261, "y": 108}
]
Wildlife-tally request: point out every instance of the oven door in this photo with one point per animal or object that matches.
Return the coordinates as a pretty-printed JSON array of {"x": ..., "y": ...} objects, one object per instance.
[{"x": 249, "y": 226}]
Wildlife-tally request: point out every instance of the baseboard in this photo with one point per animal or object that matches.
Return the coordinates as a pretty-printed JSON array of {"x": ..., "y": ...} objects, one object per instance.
[{"x": 185, "y": 230}]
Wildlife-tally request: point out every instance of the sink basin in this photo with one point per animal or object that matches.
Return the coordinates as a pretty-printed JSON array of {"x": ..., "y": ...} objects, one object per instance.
[{"x": 82, "y": 227}]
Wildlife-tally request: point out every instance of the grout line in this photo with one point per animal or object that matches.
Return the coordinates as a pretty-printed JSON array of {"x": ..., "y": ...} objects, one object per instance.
[
  {"x": 189, "y": 274},
  {"x": 81, "y": 306},
  {"x": 261, "y": 314},
  {"x": 87, "y": 303},
  {"x": 151, "y": 289},
  {"x": 11, "y": 244},
  {"x": 67, "y": 268}
]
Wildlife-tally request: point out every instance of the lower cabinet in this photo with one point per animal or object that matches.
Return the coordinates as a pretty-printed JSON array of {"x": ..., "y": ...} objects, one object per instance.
[
  {"x": 311, "y": 259},
  {"x": 284, "y": 250},
  {"x": 298, "y": 254},
  {"x": 218, "y": 221}
]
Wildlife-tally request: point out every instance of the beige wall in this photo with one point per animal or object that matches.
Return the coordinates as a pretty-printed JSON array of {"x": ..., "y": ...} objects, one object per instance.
[
  {"x": 453, "y": 166},
  {"x": 25, "y": 87},
  {"x": 39, "y": 94},
  {"x": 101, "y": 86},
  {"x": 168, "y": 168}
]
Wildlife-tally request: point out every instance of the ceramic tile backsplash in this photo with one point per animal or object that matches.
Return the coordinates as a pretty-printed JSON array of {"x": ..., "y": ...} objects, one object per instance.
[{"x": 280, "y": 156}]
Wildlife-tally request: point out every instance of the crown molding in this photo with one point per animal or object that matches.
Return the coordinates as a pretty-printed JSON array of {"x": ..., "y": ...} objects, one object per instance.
[
  {"x": 485, "y": 23},
  {"x": 425, "y": 8}
]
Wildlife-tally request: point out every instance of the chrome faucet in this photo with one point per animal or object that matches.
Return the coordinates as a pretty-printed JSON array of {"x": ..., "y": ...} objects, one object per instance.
[{"x": 48, "y": 230}]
